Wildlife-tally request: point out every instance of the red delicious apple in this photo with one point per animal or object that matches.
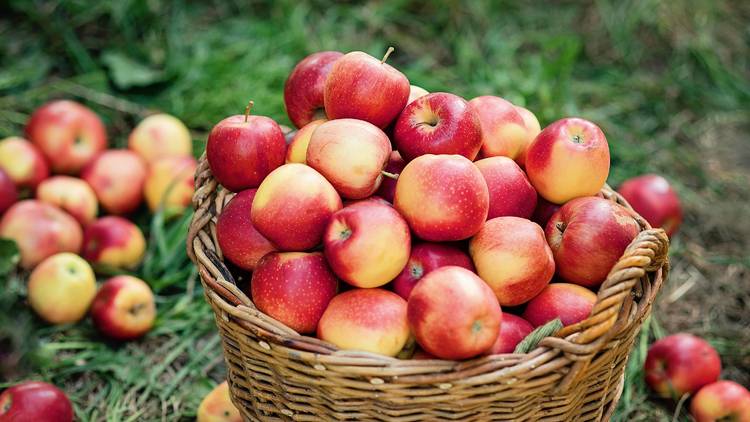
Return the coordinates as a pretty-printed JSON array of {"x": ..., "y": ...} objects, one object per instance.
[
  {"x": 23, "y": 162},
  {"x": 238, "y": 239},
  {"x": 72, "y": 195},
  {"x": 8, "y": 191},
  {"x": 160, "y": 135},
  {"x": 294, "y": 288},
  {"x": 568, "y": 159},
  {"x": 395, "y": 165},
  {"x": 243, "y": 150},
  {"x": 721, "y": 401},
  {"x": 532, "y": 130},
  {"x": 512, "y": 331},
  {"x": 453, "y": 313},
  {"x": 124, "y": 308},
  {"x": 117, "y": 177},
  {"x": 569, "y": 302},
  {"x": 511, "y": 194},
  {"x": 113, "y": 241},
  {"x": 416, "y": 92},
  {"x": 362, "y": 87},
  {"x": 424, "y": 258},
  {"x": 35, "y": 401},
  {"x": 303, "y": 90},
  {"x": 69, "y": 134},
  {"x": 544, "y": 211},
  {"x": 503, "y": 129},
  {"x": 442, "y": 197},
  {"x": 587, "y": 237},
  {"x": 653, "y": 198},
  {"x": 438, "y": 123},
  {"x": 681, "y": 363},
  {"x": 296, "y": 152},
  {"x": 61, "y": 288}
]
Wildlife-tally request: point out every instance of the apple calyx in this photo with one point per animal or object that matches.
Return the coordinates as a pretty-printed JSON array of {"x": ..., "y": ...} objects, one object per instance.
[
  {"x": 476, "y": 327},
  {"x": 250, "y": 105},
  {"x": 387, "y": 53},
  {"x": 561, "y": 226},
  {"x": 417, "y": 271},
  {"x": 137, "y": 308}
]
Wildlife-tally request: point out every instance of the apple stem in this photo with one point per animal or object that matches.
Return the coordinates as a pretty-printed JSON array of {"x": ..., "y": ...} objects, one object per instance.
[
  {"x": 393, "y": 176},
  {"x": 387, "y": 53},
  {"x": 248, "y": 108}
]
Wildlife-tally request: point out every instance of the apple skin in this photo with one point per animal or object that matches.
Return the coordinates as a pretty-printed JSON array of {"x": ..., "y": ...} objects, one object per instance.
[
  {"x": 569, "y": 302},
  {"x": 453, "y": 314},
  {"x": 512, "y": 331},
  {"x": 513, "y": 258},
  {"x": 170, "y": 185},
  {"x": 40, "y": 230},
  {"x": 362, "y": 87},
  {"x": 238, "y": 239},
  {"x": 351, "y": 154},
  {"x": 124, "y": 308},
  {"x": 72, "y": 195},
  {"x": 442, "y": 197},
  {"x": 425, "y": 258},
  {"x": 680, "y": 363},
  {"x": 367, "y": 244},
  {"x": 395, "y": 165},
  {"x": 217, "y": 406},
  {"x": 69, "y": 135},
  {"x": 415, "y": 92},
  {"x": 61, "y": 288},
  {"x": 652, "y": 197},
  {"x": 438, "y": 123},
  {"x": 503, "y": 129},
  {"x": 532, "y": 130},
  {"x": 35, "y": 401},
  {"x": 371, "y": 320},
  {"x": 160, "y": 135},
  {"x": 117, "y": 177},
  {"x": 568, "y": 159},
  {"x": 721, "y": 400},
  {"x": 23, "y": 162},
  {"x": 303, "y": 89},
  {"x": 511, "y": 193},
  {"x": 8, "y": 192},
  {"x": 113, "y": 241},
  {"x": 292, "y": 207},
  {"x": 296, "y": 152},
  {"x": 587, "y": 237},
  {"x": 544, "y": 211},
  {"x": 243, "y": 150}
]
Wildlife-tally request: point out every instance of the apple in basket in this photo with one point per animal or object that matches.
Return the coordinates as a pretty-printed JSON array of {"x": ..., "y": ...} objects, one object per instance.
[
  {"x": 303, "y": 89},
  {"x": 681, "y": 363},
  {"x": 503, "y": 128},
  {"x": 511, "y": 193},
  {"x": 296, "y": 152},
  {"x": 512, "y": 330},
  {"x": 569, "y": 302},
  {"x": 426, "y": 257}
]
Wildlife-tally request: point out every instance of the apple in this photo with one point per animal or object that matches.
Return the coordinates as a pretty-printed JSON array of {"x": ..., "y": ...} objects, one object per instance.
[
  {"x": 72, "y": 195},
  {"x": 438, "y": 123},
  {"x": 293, "y": 288},
  {"x": 569, "y": 302},
  {"x": 532, "y": 130},
  {"x": 721, "y": 401},
  {"x": 124, "y": 308},
  {"x": 40, "y": 230},
  {"x": 568, "y": 159},
  {"x": 351, "y": 154},
  {"x": 243, "y": 150},
  {"x": 8, "y": 192},
  {"x": 453, "y": 313},
  {"x": 395, "y": 165},
  {"x": 61, "y": 288},
  {"x": 680, "y": 363},
  {"x": 544, "y": 211},
  {"x": 511, "y": 193},
  {"x": 367, "y": 244},
  {"x": 293, "y": 206},
  {"x": 160, "y": 135},
  {"x": 113, "y": 241},
  {"x": 303, "y": 90},
  {"x": 503, "y": 128},
  {"x": 362, "y": 87},
  {"x": 653, "y": 198},
  {"x": 512, "y": 331},
  {"x": 238, "y": 239},
  {"x": 587, "y": 237},
  {"x": 296, "y": 152},
  {"x": 415, "y": 92},
  {"x": 217, "y": 406},
  {"x": 23, "y": 162},
  {"x": 35, "y": 401},
  {"x": 425, "y": 258},
  {"x": 117, "y": 177},
  {"x": 170, "y": 185},
  {"x": 69, "y": 135},
  {"x": 442, "y": 197},
  {"x": 371, "y": 320}
]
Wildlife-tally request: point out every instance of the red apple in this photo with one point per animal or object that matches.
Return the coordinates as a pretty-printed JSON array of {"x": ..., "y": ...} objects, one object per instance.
[
  {"x": 438, "y": 123},
  {"x": 568, "y": 159},
  {"x": 416, "y": 92},
  {"x": 362, "y": 87},
  {"x": 544, "y": 211},
  {"x": 124, "y": 308},
  {"x": 652, "y": 197},
  {"x": 721, "y": 401},
  {"x": 395, "y": 165},
  {"x": 23, "y": 162},
  {"x": 239, "y": 241},
  {"x": 243, "y": 150},
  {"x": 160, "y": 135},
  {"x": 113, "y": 241},
  {"x": 681, "y": 363},
  {"x": 35, "y": 401},
  {"x": 117, "y": 177},
  {"x": 424, "y": 258},
  {"x": 296, "y": 152},
  {"x": 72, "y": 195},
  {"x": 69, "y": 134},
  {"x": 511, "y": 193},
  {"x": 512, "y": 331},
  {"x": 217, "y": 406},
  {"x": 8, "y": 191},
  {"x": 532, "y": 130},
  {"x": 351, "y": 154},
  {"x": 303, "y": 90},
  {"x": 503, "y": 129},
  {"x": 569, "y": 302},
  {"x": 587, "y": 237},
  {"x": 442, "y": 197},
  {"x": 61, "y": 288}
]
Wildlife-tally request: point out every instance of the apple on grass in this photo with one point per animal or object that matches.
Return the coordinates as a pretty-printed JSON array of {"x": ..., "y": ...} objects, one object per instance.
[
  {"x": 303, "y": 89},
  {"x": 35, "y": 401},
  {"x": 394, "y": 167},
  {"x": 238, "y": 239},
  {"x": 425, "y": 258},
  {"x": 653, "y": 198},
  {"x": 296, "y": 152},
  {"x": 169, "y": 184},
  {"x": 113, "y": 241},
  {"x": 117, "y": 177},
  {"x": 160, "y": 135},
  {"x": 61, "y": 288},
  {"x": 8, "y": 192},
  {"x": 511, "y": 193},
  {"x": 532, "y": 130},
  {"x": 23, "y": 162},
  {"x": 721, "y": 401},
  {"x": 217, "y": 406},
  {"x": 569, "y": 302},
  {"x": 512, "y": 331},
  {"x": 70, "y": 194},
  {"x": 124, "y": 308},
  {"x": 503, "y": 128},
  {"x": 680, "y": 363}
]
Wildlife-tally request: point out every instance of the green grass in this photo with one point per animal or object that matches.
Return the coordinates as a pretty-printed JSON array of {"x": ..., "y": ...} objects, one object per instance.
[{"x": 668, "y": 83}]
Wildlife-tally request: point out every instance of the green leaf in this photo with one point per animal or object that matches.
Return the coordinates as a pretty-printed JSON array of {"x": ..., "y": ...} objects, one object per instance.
[
  {"x": 127, "y": 73},
  {"x": 9, "y": 255},
  {"x": 546, "y": 330}
]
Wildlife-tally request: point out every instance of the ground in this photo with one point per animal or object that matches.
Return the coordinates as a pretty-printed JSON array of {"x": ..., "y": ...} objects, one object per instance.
[{"x": 668, "y": 82}]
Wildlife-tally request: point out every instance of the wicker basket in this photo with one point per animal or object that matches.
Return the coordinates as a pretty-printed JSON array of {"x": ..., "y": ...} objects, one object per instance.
[{"x": 276, "y": 374}]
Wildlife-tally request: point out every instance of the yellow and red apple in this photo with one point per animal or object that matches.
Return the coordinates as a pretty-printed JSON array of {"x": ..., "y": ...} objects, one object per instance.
[
  {"x": 721, "y": 401},
  {"x": 113, "y": 241},
  {"x": 303, "y": 89},
  {"x": 169, "y": 184},
  {"x": 511, "y": 193},
  {"x": 61, "y": 288},
  {"x": 72, "y": 195},
  {"x": 124, "y": 308},
  {"x": 532, "y": 130},
  {"x": 117, "y": 177},
  {"x": 503, "y": 128},
  {"x": 217, "y": 406},
  {"x": 569, "y": 302},
  {"x": 23, "y": 162},
  {"x": 653, "y": 198},
  {"x": 296, "y": 152},
  {"x": 160, "y": 135}
]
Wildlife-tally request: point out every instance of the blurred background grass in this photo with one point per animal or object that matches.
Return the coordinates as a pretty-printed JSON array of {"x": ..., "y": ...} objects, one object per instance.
[{"x": 669, "y": 82}]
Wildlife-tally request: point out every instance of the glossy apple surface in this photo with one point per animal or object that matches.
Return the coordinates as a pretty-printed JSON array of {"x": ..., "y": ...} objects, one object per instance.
[
  {"x": 503, "y": 129},
  {"x": 303, "y": 89},
  {"x": 296, "y": 152},
  {"x": 681, "y": 363},
  {"x": 124, "y": 308},
  {"x": 532, "y": 130},
  {"x": 569, "y": 302},
  {"x": 117, "y": 178},
  {"x": 35, "y": 401},
  {"x": 238, "y": 239},
  {"x": 425, "y": 258},
  {"x": 653, "y": 198},
  {"x": 511, "y": 193},
  {"x": 721, "y": 401},
  {"x": 113, "y": 241}
]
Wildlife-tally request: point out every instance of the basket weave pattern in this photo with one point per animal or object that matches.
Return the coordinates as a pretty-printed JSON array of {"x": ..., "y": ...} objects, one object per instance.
[{"x": 276, "y": 374}]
